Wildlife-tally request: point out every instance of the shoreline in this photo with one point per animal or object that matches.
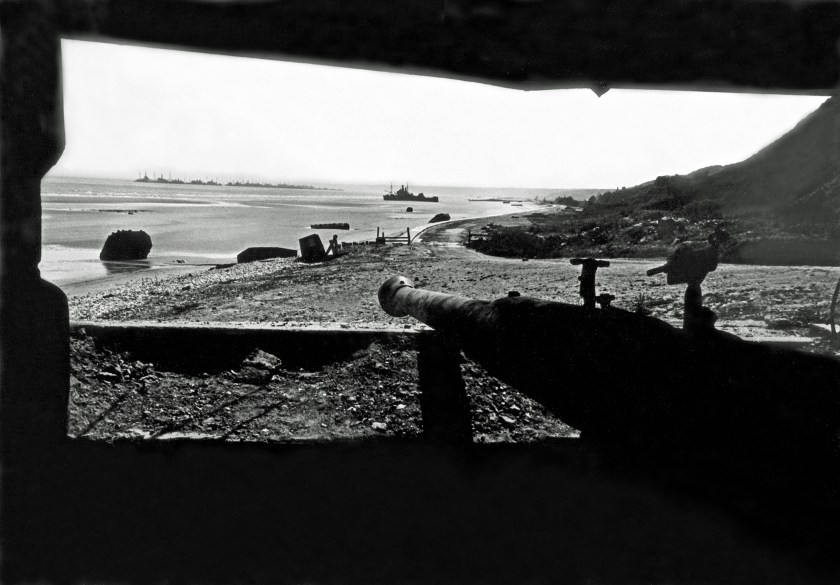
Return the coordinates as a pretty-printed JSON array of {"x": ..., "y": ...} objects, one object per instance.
[
  {"x": 443, "y": 235},
  {"x": 104, "y": 283},
  {"x": 425, "y": 233},
  {"x": 431, "y": 234},
  {"x": 751, "y": 301}
]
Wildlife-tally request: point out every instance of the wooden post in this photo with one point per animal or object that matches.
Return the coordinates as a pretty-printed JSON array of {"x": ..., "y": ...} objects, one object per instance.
[
  {"x": 377, "y": 233},
  {"x": 408, "y": 234},
  {"x": 443, "y": 399}
]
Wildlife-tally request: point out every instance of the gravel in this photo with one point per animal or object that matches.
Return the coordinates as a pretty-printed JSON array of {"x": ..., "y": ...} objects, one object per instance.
[{"x": 374, "y": 393}]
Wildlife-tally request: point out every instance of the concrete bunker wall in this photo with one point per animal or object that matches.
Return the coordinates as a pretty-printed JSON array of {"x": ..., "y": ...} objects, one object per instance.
[{"x": 75, "y": 511}]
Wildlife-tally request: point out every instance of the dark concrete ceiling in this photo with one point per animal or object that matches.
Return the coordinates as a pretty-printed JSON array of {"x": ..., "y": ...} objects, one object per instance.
[{"x": 741, "y": 45}]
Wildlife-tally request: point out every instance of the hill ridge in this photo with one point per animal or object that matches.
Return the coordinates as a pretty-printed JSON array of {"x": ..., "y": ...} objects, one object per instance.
[{"x": 796, "y": 177}]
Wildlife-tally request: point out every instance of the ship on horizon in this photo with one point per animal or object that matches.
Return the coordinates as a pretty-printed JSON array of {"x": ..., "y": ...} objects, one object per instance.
[
  {"x": 403, "y": 194},
  {"x": 212, "y": 182}
]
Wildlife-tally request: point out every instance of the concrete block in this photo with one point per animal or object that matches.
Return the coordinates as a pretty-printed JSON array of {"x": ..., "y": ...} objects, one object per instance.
[{"x": 312, "y": 249}]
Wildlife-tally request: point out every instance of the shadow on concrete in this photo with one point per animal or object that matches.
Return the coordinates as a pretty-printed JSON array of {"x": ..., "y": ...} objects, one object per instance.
[
  {"x": 190, "y": 349},
  {"x": 377, "y": 512}
]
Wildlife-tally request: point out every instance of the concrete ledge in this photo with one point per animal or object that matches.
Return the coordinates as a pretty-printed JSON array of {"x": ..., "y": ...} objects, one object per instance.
[
  {"x": 216, "y": 346},
  {"x": 213, "y": 347}
]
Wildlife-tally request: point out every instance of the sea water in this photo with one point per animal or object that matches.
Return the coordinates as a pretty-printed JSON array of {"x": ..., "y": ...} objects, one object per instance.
[{"x": 201, "y": 224}]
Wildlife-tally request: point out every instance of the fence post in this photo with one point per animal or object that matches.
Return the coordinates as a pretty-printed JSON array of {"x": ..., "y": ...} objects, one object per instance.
[{"x": 408, "y": 234}]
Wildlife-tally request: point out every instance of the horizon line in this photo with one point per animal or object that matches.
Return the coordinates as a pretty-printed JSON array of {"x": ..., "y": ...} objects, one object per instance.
[{"x": 357, "y": 183}]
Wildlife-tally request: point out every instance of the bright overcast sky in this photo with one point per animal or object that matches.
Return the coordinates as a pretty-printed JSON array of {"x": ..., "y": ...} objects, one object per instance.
[{"x": 131, "y": 109}]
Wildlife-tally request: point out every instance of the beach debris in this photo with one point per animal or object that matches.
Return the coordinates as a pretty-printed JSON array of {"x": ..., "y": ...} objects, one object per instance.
[
  {"x": 409, "y": 210},
  {"x": 330, "y": 226},
  {"x": 258, "y": 368},
  {"x": 264, "y": 253},
  {"x": 312, "y": 249},
  {"x": 126, "y": 245},
  {"x": 440, "y": 217},
  {"x": 334, "y": 249},
  {"x": 262, "y": 360}
]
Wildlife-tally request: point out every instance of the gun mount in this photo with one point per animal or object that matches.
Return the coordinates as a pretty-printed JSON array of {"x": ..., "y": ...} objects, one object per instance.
[
  {"x": 691, "y": 266},
  {"x": 589, "y": 267},
  {"x": 636, "y": 382}
]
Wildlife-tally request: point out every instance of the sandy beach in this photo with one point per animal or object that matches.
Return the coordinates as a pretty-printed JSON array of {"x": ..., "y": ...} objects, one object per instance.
[
  {"x": 752, "y": 301},
  {"x": 373, "y": 393}
]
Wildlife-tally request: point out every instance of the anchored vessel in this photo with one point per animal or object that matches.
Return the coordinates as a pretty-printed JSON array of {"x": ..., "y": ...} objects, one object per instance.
[{"x": 403, "y": 194}]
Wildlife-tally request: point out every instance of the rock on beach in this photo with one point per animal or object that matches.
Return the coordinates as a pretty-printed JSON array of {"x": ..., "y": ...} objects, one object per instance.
[{"x": 126, "y": 245}]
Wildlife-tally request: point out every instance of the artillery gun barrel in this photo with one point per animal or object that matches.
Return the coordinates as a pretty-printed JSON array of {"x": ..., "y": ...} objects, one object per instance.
[
  {"x": 622, "y": 377},
  {"x": 399, "y": 298}
]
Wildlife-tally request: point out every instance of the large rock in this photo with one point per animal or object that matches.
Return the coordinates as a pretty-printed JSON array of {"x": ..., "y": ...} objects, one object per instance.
[
  {"x": 264, "y": 253},
  {"x": 440, "y": 217},
  {"x": 262, "y": 360},
  {"x": 258, "y": 368},
  {"x": 126, "y": 245}
]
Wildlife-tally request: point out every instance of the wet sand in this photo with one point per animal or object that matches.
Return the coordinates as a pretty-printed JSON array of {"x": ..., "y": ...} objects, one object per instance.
[
  {"x": 103, "y": 284},
  {"x": 445, "y": 233}
]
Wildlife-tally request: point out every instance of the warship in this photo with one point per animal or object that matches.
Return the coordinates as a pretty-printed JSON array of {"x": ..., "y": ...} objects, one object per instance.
[{"x": 403, "y": 194}]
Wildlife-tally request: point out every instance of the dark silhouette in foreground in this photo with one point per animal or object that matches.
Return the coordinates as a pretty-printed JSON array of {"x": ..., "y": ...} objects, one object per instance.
[{"x": 758, "y": 421}]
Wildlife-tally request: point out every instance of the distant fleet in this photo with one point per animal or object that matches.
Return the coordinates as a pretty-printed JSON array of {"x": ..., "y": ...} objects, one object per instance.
[{"x": 212, "y": 182}]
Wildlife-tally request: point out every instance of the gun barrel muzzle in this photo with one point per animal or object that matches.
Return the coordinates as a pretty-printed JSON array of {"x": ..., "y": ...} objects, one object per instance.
[
  {"x": 388, "y": 295},
  {"x": 398, "y": 297}
]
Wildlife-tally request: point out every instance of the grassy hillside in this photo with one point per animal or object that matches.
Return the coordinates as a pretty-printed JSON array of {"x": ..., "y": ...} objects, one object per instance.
[
  {"x": 796, "y": 178},
  {"x": 780, "y": 206}
]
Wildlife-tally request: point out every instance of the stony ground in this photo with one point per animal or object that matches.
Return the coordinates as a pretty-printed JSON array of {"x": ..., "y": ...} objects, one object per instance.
[
  {"x": 375, "y": 392},
  {"x": 768, "y": 300}
]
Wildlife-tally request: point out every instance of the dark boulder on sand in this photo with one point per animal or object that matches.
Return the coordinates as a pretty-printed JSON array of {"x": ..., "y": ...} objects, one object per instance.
[
  {"x": 264, "y": 253},
  {"x": 126, "y": 245},
  {"x": 440, "y": 217}
]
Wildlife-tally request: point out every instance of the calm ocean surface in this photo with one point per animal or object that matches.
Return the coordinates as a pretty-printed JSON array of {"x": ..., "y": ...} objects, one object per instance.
[{"x": 202, "y": 224}]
